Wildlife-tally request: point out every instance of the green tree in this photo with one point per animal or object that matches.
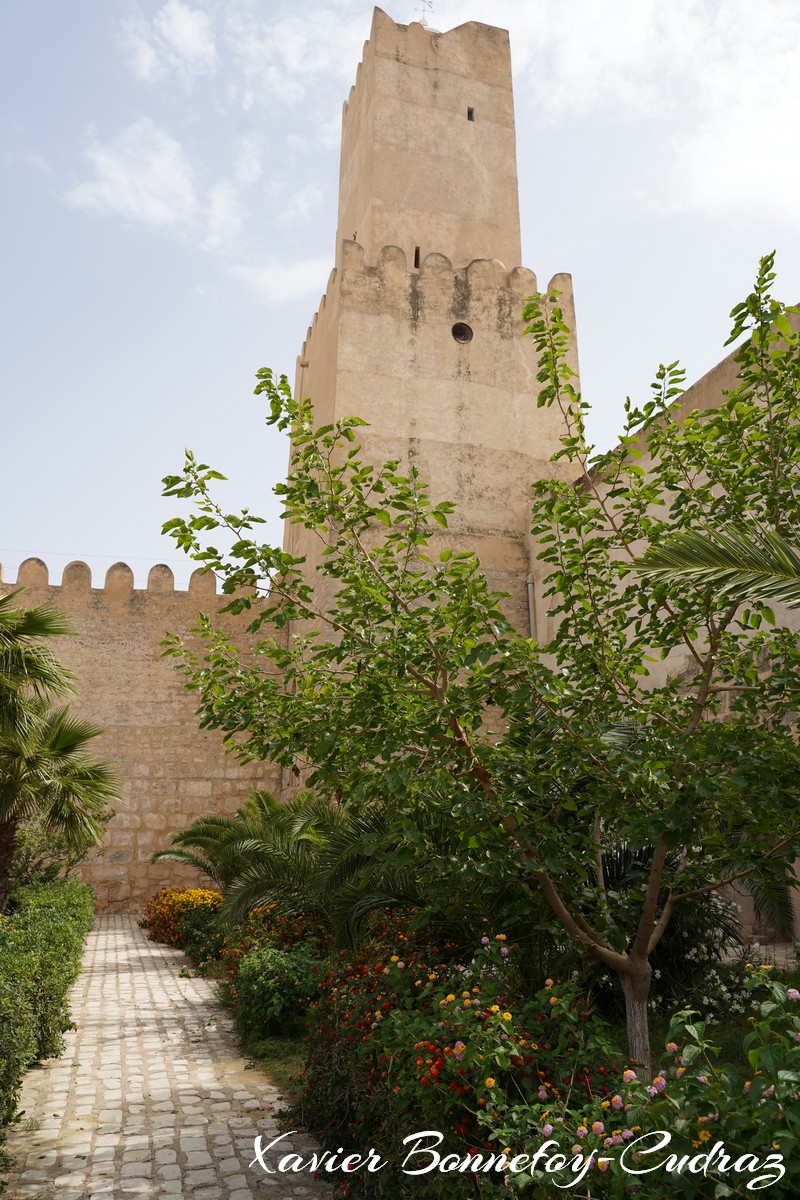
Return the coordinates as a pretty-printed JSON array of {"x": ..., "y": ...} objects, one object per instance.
[{"x": 400, "y": 685}]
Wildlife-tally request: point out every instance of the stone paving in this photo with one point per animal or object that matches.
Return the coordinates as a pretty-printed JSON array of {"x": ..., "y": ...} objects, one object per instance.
[{"x": 151, "y": 1097}]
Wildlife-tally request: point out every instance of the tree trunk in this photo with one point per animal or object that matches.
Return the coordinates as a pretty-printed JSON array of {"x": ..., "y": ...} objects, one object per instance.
[
  {"x": 636, "y": 986},
  {"x": 8, "y": 840}
]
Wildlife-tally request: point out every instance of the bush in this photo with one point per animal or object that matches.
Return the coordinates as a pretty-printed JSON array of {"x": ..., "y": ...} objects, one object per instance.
[
  {"x": 266, "y": 926},
  {"x": 40, "y": 953},
  {"x": 273, "y": 990},
  {"x": 43, "y": 854},
  {"x": 185, "y": 918},
  {"x": 699, "y": 1102},
  {"x": 403, "y": 1044}
]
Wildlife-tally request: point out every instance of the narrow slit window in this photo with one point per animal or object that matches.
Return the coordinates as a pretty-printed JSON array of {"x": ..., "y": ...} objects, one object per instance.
[
  {"x": 416, "y": 258},
  {"x": 470, "y": 114}
]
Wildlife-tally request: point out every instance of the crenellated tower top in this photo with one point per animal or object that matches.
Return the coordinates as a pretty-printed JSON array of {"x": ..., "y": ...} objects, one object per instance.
[{"x": 428, "y": 157}]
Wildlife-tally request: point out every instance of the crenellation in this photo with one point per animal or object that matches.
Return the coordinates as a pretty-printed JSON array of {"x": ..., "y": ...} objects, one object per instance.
[
  {"x": 522, "y": 282},
  {"x": 160, "y": 578},
  {"x": 33, "y": 573},
  {"x": 119, "y": 582},
  {"x": 77, "y": 575},
  {"x": 202, "y": 583}
]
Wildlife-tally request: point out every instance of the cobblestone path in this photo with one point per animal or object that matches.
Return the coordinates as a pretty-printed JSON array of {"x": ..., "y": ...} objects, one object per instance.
[{"x": 151, "y": 1097}]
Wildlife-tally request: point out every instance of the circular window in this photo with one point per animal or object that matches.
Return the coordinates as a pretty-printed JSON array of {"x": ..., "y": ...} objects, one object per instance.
[{"x": 462, "y": 332}]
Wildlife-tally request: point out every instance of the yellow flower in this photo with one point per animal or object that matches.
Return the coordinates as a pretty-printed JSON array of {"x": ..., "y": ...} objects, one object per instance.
[
  {"x": 395, "y": 958},
  {"x": 501, "y": 937},
  {"x": 431, "y": 977},
  {"x": 705, "y": 1134},
  {"x": 490, "y": 1082},
  {"x": 450, "y": 997},
  {"x": 506, "y": 1016},
  {"x": 606, "y": 1104},
  {"x": 495, "y": 1008},
  {"x": 467, "y": 1002}
]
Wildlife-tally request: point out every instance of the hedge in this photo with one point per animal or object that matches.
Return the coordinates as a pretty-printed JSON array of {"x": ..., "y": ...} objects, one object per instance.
[{"x": 40, "y": 954}]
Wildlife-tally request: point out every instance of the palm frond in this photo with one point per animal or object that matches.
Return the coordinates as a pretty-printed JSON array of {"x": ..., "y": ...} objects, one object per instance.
[{"x": 736, "y": 561}]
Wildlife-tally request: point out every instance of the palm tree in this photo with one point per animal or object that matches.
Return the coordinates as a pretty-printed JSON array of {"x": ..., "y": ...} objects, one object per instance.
[
  {"x": 307, "y": 855},
  {"x": 44, "y": 767},
  {"x": 740, "y": 562},
  {"x": 46, "y": 771},
  {"x": 211, "y": 843},
  {"x": 27, "y": 664}
]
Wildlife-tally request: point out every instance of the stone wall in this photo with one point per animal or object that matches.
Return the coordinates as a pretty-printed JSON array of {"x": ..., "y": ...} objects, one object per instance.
[{"x": 171, "y": 770}]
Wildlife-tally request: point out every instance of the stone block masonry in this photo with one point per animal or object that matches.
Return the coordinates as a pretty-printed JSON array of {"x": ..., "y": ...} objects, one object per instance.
[{"x": 172, "y": 771}]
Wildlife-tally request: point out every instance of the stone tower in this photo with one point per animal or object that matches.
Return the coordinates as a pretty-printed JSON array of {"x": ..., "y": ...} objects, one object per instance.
[{"x": 419, "y": 332}]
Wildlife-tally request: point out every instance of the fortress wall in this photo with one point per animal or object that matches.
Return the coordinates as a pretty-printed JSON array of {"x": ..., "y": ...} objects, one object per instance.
[{"x": 172, "y": 771}]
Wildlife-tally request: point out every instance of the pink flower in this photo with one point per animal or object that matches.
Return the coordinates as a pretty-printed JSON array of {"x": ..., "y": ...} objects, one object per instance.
[
  {"x": 484, "y": 941},
  {"x": 581, "y": 1131},
  {"x": 542, "y": 1094},
  {"x": 627, "y": 1133},
  {"x": 548, "y": 1129},
  {"x": 672, "y": 1047},
  {"x": 598, "y": 1127},
  {"x": 616, "y": 1102},
  {"x": 628, "y": 1076},
  {"x": 793, "y": 994},
  {"x": 504, "y": 951}
]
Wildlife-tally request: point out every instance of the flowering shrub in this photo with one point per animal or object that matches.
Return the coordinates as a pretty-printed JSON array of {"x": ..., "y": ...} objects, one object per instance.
[
  {"x": 266, "y": 926},
  {"x": 406, "y": 1043},
  {"x": 184, "y": 918},
  {"x": 706, "y": 1108}
]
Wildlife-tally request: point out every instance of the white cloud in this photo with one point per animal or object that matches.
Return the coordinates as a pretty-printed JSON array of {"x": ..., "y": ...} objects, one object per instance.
[
  {"x": 143, "y": 60},
  {"x": 179, "y": 38},
  {"x": 724, "y": 75},
  {"x": 735, "y": 159},
  {"x": 301, "y": 204},
  {"x": 187, "y": 32},
  {"x": 276, "y": 283},
  {"x": 142, "y": 175},
  {"x": 225, "y": 218},
  {"x": 284, "y": 59},
  {"x": 248, "y": 162}
]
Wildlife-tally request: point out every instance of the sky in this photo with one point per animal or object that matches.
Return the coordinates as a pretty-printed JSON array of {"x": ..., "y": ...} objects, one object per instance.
[{"x": 169, "y": 189}]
